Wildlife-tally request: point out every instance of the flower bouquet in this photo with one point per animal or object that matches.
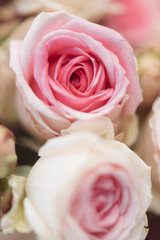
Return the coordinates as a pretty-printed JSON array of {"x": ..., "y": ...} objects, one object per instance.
[{"x": 79, "y": 119}]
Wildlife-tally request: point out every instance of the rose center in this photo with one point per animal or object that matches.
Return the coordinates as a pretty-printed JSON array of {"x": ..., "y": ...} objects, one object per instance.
[
  {"x": 106, "y": 193},
  {"x": 75, "y": 80}
]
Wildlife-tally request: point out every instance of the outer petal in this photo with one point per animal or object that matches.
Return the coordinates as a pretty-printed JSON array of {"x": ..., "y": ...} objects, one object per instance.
[
  {"x": 102, "y": 126},
  {"x": 43, "y": 24},
  {"x": 39, "y": 227}
]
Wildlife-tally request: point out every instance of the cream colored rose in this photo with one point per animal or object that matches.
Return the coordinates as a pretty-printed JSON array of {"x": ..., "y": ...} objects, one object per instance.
[
  {"x": 87, "y": 187},
  {"x": 148, "y": 148},
  {"x": 90, "y": 9}
]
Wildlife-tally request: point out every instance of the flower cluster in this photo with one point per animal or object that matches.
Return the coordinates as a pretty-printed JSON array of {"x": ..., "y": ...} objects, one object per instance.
[{"x": 80, "y": 89}]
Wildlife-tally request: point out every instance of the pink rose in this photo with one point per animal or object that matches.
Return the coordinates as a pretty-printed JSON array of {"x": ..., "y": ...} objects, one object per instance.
[
  {"x": 137, "y": 20},
  {"x": 70, "y": 69},
  {"x": 85, "y": 187}
]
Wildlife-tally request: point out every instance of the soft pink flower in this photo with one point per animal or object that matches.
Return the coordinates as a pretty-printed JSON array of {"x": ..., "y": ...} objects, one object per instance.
[
  {"x": 138, "y": 20},
  {"x": 86, "y": 187},
  {"x": 70, "y": 69}
]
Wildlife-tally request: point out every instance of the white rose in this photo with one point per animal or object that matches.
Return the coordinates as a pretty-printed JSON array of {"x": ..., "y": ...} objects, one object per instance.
[{"x": 86, "y": 187}]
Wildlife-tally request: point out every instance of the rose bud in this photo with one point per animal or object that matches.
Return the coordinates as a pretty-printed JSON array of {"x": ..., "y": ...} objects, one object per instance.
[
  {"x": 148, "y": 148},
  {"x": 87, "y": 187},
  {"x": 69, "y": 69}
]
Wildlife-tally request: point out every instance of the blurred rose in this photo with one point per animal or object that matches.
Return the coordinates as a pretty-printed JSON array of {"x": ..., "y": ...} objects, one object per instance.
[
  {"x": 148, "y": 148},
  {"x": 91, "y": 189},
  {"x": 149, "y": 72},
  {"x": 8, "y": 113},
  {"x": 137, "y": 21},
  {"x": 90, "y": 9},
  {"x": 70, "y": 69}
]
